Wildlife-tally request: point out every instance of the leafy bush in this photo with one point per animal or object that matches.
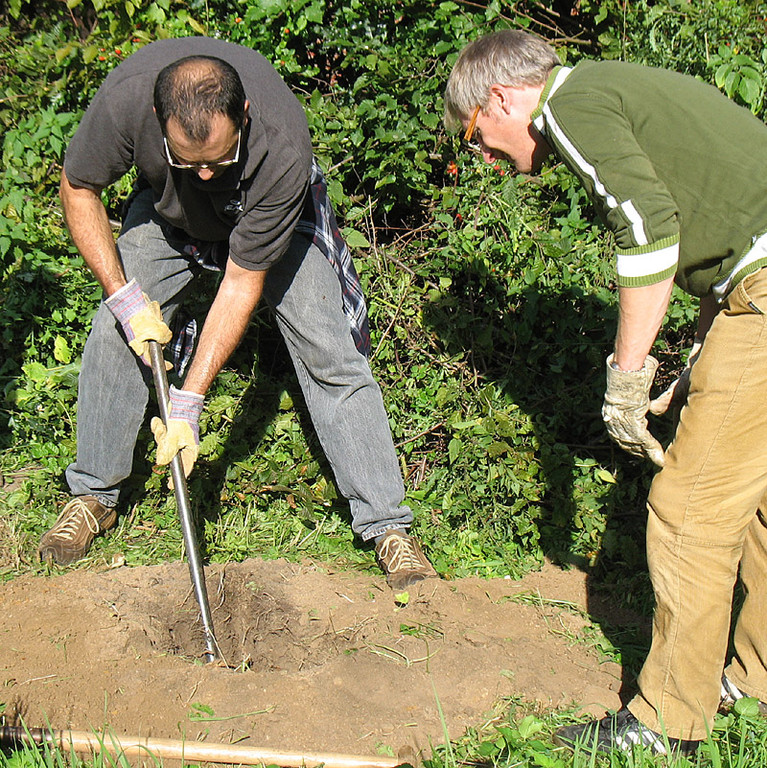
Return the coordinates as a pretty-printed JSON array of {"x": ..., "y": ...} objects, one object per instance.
[
  {"x": 491, "y": 294},
  {"x": 716, "y": 40}
]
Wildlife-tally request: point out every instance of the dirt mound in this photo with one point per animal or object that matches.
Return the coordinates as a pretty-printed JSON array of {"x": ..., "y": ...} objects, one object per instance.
[{"x": 318, "y": 660}]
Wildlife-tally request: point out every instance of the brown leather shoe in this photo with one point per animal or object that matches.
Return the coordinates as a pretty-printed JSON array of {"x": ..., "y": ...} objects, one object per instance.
[
  {"x": 402, "y": 560},
  {"x": 81, "y": 520}
]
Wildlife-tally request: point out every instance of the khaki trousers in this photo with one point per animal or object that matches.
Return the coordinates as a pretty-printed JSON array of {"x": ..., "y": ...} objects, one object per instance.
[{"x": 706, "y": 521}]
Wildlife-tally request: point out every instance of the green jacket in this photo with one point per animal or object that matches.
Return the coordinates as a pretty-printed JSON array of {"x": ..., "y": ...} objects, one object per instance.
[{"x": 677, "y": 171}]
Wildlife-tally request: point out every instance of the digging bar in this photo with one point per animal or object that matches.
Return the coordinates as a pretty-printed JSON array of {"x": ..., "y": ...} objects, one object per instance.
[
  {"x": 85, "y": 742},
  {"x": 182, "y": 502}
]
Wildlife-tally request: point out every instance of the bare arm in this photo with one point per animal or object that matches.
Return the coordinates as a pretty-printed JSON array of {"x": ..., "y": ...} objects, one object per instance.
[
  {"x": 91, "y": 232},
  {"x": 225, "y": 325},
  {"x": 641, "y": 315}
]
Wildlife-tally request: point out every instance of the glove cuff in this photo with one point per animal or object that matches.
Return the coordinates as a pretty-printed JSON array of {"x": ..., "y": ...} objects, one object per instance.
[
  {"x": 186, "y": 405},
  {"x": 630, "y": 388},
  {"x": 126, "y": 302}
]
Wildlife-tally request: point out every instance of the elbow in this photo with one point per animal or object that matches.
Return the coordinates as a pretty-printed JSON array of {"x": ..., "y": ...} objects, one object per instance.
[
  {"x": 66, "y": 190},
  {"x": 71, "y": 194}
]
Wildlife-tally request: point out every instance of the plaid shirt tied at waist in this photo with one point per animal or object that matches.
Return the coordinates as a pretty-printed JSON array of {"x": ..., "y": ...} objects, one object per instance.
[{"x": 318, "y": 222}]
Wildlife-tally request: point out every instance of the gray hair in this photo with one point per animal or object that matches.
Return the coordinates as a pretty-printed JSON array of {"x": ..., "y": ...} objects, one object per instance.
[{"x": 509, "y": 57}]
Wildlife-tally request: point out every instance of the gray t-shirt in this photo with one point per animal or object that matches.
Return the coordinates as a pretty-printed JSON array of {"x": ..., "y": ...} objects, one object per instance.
[{"x": 255, "y": 204}]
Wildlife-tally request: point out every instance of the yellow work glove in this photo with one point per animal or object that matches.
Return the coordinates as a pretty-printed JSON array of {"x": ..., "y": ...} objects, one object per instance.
[
  {"x": 140, "y": 318},
  {"x": 627, "y": 400},
  {"x": 182, "y": 432}
]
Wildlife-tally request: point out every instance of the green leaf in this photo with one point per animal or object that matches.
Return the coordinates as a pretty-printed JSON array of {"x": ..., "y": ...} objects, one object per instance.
[
  {"x": 196, "y": 26},
  {"x": 488, "y": 748},
  {"x": 315, "y": 13},
  {"x": 200, "y": 710},
  {"x": 210, "y": 443},
  {"x": 89, "y": 53},
  {"x": 61, "y": 350},
  {"x": 62, "y": 53},
  {"x": 384, "y": 181},
  {"x": 747, "y": 707},
  {"x": 354, "y": 238},
  {"x": 37, "y": 372},
  {"x": 498, "y": 448},
  {"x": 605, "y": 476},
  {"x": 721, "y": 75},
  {"x": 749, "y": 90},
  {"x": 529, "y": 726}
]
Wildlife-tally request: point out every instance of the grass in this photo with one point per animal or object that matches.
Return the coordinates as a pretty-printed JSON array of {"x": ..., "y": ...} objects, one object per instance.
[
  {"x": 514, "y": 736},
  {"x": 517, "y": 736},
  {"x": 48, "y": 756}
]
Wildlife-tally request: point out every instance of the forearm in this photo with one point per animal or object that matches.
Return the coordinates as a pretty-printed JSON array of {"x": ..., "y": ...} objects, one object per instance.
[
  {"x": 642, "y": 311},
  {"x": 226, "y": 323},
  {"x": 91, "y": 233}
]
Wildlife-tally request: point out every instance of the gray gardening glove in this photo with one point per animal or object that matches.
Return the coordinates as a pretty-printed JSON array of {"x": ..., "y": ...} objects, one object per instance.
[
  {"x": 627, "y": 400},
  {"x": 675, "y": 396}
]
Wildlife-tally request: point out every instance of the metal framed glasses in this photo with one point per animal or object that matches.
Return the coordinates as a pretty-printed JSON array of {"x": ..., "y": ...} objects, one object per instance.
[
  {"x": 472, "y": 126},
  {"x": 202, "y": 166}
]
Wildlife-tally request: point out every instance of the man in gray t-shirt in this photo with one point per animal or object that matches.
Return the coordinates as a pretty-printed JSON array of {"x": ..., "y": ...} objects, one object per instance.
[{"x": 226, "y": 181}]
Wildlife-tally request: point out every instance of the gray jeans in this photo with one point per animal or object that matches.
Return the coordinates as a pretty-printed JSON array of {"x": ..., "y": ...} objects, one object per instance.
[{"x": 343, "y": 398}]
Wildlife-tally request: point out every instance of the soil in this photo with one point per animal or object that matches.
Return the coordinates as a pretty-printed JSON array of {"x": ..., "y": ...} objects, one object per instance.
[{"x": 319, "y": 660}]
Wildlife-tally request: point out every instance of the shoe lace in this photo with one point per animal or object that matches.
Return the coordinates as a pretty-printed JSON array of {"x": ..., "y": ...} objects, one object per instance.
[
  {"x": 399, "y": 554},
  {"x": 75, "y": 513}
]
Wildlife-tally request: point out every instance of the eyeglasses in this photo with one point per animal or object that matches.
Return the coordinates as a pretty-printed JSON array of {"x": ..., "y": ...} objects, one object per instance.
[
  {"x": 202, "y": 166},
  {"x": 472, "y": 126}
]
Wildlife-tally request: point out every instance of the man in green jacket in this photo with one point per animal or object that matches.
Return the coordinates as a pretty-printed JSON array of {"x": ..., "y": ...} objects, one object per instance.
[{"x": 678, "y": 173}]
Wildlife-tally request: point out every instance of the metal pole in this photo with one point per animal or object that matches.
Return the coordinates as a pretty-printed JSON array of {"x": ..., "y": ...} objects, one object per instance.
[{"x": 182, "y": 502}]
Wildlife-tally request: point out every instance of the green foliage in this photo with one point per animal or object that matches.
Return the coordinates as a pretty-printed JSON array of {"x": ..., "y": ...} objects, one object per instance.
[
  {"x": 491, "y": 296},
  {"x": 521, "y": 737},
  {"x": 740, "y": 77},
  {"x": 717, "y": 40},
  {"x": 516, "y": 736},
  {"x": 371, "y": 76}
]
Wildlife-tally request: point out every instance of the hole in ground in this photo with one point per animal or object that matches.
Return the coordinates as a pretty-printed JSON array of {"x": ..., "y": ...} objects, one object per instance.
[{"x": 256, "y": 626}]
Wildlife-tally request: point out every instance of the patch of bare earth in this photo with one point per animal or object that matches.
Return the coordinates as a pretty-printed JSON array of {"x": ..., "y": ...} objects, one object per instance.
[{"x": 320, "y": 660}]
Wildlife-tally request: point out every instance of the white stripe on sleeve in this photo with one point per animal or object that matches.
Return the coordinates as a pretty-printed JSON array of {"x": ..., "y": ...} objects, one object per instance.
[{"x": 642, "y": 264}]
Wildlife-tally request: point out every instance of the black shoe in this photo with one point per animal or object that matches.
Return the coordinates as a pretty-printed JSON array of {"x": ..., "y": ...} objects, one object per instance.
[{"x": 621, "y": 732}]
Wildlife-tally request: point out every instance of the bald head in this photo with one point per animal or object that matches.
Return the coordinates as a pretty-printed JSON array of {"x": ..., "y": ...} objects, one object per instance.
[{"x": 194, "y": 89}]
